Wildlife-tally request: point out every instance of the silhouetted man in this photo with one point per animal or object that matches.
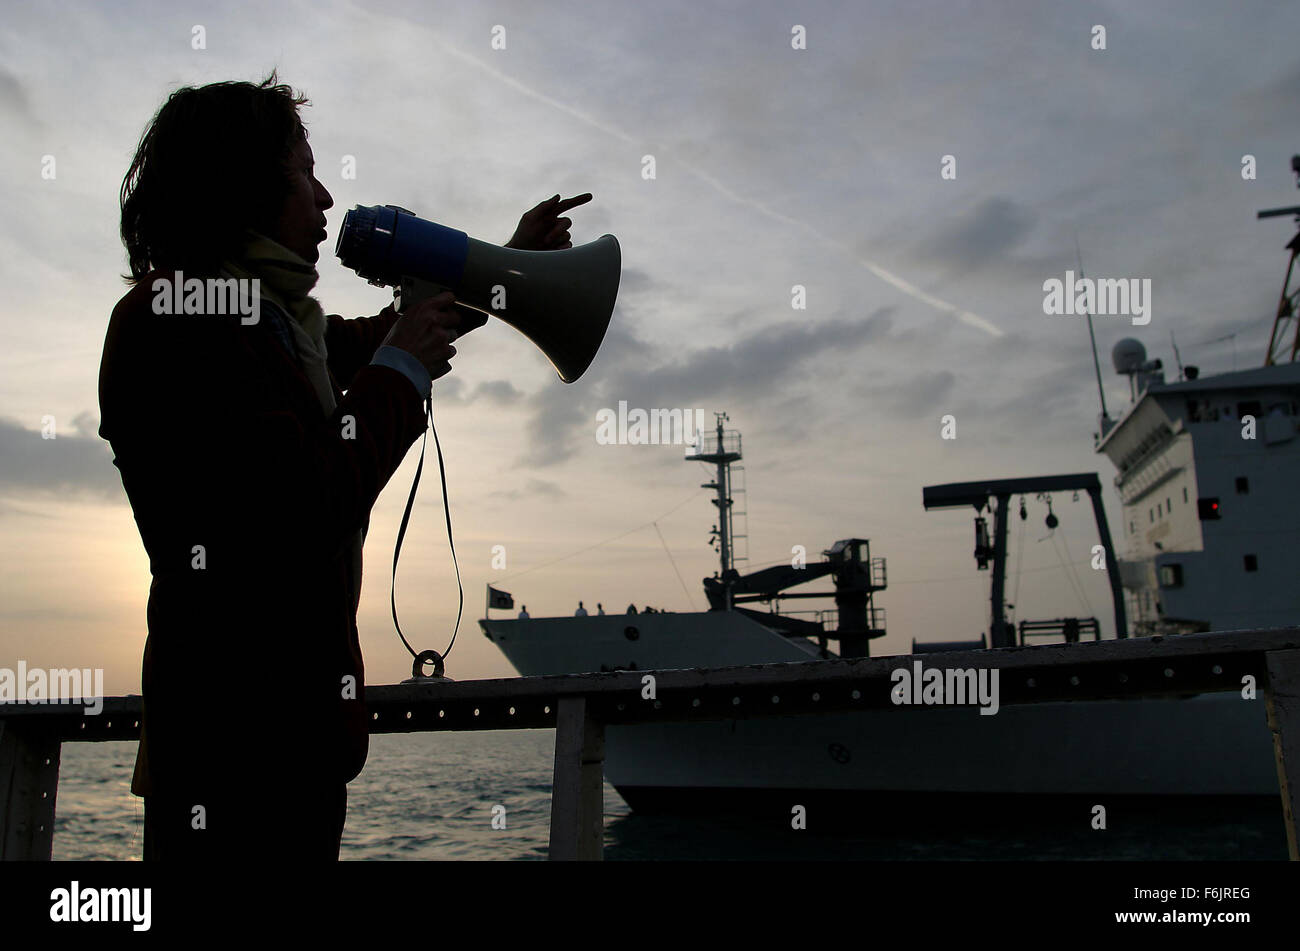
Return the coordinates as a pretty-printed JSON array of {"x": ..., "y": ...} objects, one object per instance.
[{"x": 253, "y": 434}]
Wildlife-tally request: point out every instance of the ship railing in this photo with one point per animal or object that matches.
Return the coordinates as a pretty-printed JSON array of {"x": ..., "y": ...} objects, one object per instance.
[
  {"x": 828, "y": 618},
  {"x": 879, "y": 580},
  {"x": 1068, "y": 628},
  {"x": 579, "y": 707},
  {"x": 707, "y": 444}
]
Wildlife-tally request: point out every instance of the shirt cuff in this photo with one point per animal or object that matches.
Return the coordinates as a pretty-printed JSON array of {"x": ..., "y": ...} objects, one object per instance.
[{"x": 395, "y": 358}]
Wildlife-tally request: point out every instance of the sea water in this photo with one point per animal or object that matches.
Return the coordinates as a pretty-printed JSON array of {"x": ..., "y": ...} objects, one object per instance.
[{"x": 436, "y": 796}]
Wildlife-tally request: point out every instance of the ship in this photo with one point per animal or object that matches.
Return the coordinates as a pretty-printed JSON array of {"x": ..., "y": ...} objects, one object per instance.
[{"x": 1204, "y": 467}]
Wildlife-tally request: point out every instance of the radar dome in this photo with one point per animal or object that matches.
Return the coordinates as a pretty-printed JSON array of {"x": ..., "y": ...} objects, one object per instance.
[{"x": 1128, "y": 355}]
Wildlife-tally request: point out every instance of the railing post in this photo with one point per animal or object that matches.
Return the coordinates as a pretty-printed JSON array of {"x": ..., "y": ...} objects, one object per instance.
[
  {"x": 577, "y": 791},
  {"x": 29, "y": 782},
  {"x": 1283, "y": 694}
]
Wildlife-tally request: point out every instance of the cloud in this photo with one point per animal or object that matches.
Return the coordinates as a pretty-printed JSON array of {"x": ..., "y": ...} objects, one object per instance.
[
  {"x": 557, "y": 418},
  {"x": 634, "y": 281},
  {"x": 449, "y": 389},
  {"x": 500, "y": 392},
  {"x": 981, "y": 236},
  {"x": 532, "y": 488},
  {"x": 754, "y": 369},
  {"x": 1279, "y": 94},
  {"x": 14, "y": 100},
  {"x": 1043, "y": 401},
  {"x": 921, "y": 394},
  {"x": 75, "y": 461},
  {"x": 8, "y": 509},
  {"x": 753, "y": 365}
]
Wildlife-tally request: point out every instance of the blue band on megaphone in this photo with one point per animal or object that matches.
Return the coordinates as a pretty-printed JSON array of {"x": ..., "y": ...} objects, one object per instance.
[
  {"x": 435, "y": 252},
  {"x": 384, "y": 243}
]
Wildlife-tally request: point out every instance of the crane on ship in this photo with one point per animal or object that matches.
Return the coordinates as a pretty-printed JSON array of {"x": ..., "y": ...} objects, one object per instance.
[
  {"x": 856, "y": 574},
  {"x": 1286, "y": 320}
]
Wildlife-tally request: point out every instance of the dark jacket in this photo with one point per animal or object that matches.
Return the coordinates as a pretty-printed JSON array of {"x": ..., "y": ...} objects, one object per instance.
[{"x": 222, "y": 443}]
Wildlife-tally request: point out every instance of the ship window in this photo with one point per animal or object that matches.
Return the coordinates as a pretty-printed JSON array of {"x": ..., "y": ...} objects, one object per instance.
[
  {"x": 1151, "y": 514},
  {"x": 1243, "y": 485},
  {"x": 1193, "y": 412},
  {"x": 1169, "y": 506},
  {"x": 1207, "y": 509},
  {"x": 1184, "y": 494},
  {"x": 1171, "y": 576},
  {"x": 1252, "y": 563},
  {"x": 1250, "y": 408}
]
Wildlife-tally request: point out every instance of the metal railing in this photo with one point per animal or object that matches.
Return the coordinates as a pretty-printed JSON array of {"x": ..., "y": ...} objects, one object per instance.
[
  {"x": 708, "y": 444},
  {"x": 580, "y": 706}
]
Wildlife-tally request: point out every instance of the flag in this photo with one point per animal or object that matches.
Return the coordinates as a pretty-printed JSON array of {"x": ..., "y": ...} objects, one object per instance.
[{"x": 499, "y": 599}]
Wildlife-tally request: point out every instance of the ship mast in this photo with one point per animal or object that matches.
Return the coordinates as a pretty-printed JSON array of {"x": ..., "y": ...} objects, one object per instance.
[{"x": 722, "y": 449}]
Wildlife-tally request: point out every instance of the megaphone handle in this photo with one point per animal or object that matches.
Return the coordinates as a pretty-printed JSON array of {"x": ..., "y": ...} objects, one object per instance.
[
  {"x": 470, "y": 318},
  {"x": 414, "y": 290}
]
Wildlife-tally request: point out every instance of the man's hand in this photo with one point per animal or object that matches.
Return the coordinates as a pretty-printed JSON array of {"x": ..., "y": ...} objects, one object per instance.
[
  {"x": 426, "y": 332},
  {"x": 541, "y": 228}
]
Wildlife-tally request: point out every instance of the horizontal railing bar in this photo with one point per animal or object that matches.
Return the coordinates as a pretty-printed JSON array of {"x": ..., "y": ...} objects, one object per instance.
[{"x": 1116, "y": 669}]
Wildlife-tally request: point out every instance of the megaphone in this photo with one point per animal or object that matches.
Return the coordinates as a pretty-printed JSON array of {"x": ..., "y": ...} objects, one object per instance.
[{"x": 560, "y": 300}]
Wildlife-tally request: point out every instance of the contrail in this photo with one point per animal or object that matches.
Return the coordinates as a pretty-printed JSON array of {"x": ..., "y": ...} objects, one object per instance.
[
  {"x": 907, "y": 287},
  {"x": 527, "y": 91}
]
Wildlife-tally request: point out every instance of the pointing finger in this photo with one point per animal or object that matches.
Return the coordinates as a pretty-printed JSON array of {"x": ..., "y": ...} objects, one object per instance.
[
  {"x": 544, "y": 205},
  {"x": 573, "y": 202}
]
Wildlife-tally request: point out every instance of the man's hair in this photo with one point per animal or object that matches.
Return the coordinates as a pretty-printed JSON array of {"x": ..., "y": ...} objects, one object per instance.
[{"x": 211, "y": 164}]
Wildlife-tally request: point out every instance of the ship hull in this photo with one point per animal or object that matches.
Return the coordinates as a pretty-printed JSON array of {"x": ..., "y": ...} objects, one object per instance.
[{"x": 1209, "y": 745}]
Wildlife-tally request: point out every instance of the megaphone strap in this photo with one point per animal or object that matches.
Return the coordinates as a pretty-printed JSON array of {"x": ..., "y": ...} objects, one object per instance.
[{"x": 401, "y": 533}]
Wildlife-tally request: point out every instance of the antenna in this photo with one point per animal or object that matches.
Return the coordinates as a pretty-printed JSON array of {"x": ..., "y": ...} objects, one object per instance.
[
  {"x": 1096, "y": 365},
  {"x": 1178, "y": 359},
  {"x": 1233, "y": 338}
]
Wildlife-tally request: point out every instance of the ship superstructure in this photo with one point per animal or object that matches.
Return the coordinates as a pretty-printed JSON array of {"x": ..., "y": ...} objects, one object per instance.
[{"x": 1207, "y": 468}]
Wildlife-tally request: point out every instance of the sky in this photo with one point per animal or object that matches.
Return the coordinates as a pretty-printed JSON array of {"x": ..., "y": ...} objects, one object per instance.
[{"x": 774, "y": 166}]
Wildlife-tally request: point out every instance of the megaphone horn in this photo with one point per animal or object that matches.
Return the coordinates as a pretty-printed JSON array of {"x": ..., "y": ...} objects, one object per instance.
[{"x": 560, "y": 300}]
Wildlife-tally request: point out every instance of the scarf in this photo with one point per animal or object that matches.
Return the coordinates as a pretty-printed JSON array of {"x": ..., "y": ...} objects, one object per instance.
[{"x": 286, "y": 280}]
